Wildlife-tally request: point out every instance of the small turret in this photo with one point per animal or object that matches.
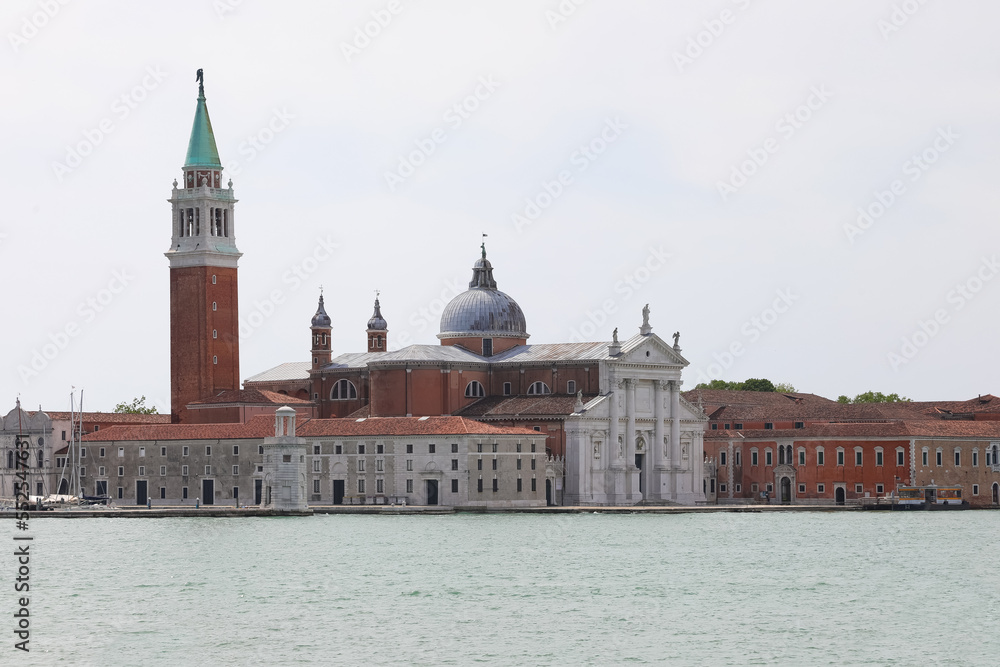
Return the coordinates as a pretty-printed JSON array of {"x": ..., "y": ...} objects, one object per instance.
[
  {"x": 378, "y": 330},
  {"x": 322, "y": 350}
]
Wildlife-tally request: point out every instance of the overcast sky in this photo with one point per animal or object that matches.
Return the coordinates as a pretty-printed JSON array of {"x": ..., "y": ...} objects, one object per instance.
[{"x": 706, "y": 157}]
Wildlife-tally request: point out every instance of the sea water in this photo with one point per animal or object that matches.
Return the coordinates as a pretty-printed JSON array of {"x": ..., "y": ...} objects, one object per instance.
[{"x": 845, "y": 588}]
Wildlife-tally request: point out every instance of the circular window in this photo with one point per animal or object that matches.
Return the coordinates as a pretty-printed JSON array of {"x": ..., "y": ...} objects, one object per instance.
[{"x": 41, "y": 441}]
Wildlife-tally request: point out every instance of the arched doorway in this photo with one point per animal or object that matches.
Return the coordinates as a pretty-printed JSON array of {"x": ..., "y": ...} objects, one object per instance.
[
  {"x": 786, "y": 490},
  {"x": 548, "y": 493},
  {"x": 996, "y": 493},
  {"x": 64, "y": 487},
  {"x": 840, "y": 495}
]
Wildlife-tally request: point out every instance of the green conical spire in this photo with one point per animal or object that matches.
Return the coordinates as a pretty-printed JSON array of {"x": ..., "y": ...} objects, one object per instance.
[{"x": 201, "y": 148}]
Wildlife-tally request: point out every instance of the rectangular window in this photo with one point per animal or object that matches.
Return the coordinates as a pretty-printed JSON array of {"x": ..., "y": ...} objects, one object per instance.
[
  {"x": 315, "y": 486},
  {"x": 753, "y": 457},
  {"x": 494, "y": 463},
  {"x": 570, "y": 389},
  {"x": 430, "y": 449},
  {"x": 923, "y": 457},
  {"x": 83, "y": 472},
  {"x": 361, "y": 465},
  {"x": 754, "y": 487},
  {"x": 454, "y": 448},
  {"x": 722, "y": 488},
  {"x": 820, "y": 457},
  {"x": 236, "y": 450},
  {"x": 409, "y": 486},
  {"x": 236, "y": 470},
  {"x": 361, "y": 449},
  {"x": 518, "y": 462},
  {"x": 737, "y": 458},
  {"x": 857, "y": 458},
  {"x": 184, "y": 492},
  {"x": 878, "y": 458},
  {"x": 739, "y": 427},
  {"x": 338, "y": 449},
  {"x": 518, "y": 448},
  {"x": 64, "y": 435},
  {"x": 496, "y": 485},
  {"x": 975, "y": 459},
  {"x": 361, "y": 486},
  {"x": 121, "y": 452},
  {"x": 899, "y": 457},
  {"x": 820, "y": 488},
  {"x": 506, "y": 388},
  {"x": 208, "y": 450},
  {"x": 142, "y": 451},
  {"x": 768, "y": 426},
  {"x": 379, "y": 449},
  {"x": 494, "y": 447},
  {"x": 533, "y": 487},
  {"x": 100, "y": 471},
  {"x": 102, "y": 452},
  {"x": 975, "y": 489},
  {"x": 532, "y": 462},
  {"x": 802, "y": 457},
  {"x": 800, "y": 425},
  {"x": 802, "y": 488},
  {"x": 532, "y": 447},
  {"x": 479, "y": 485},
  {"x": 939, "y": 458},
  {"x": 715, "y": 427},
  {"x": 479, "y": 464},
  {"x": 379, "y": 465},
  {"x": 142, "y": 471},
  {"x": 840, "y": 457},
  {"x": 121, "y": 491},
  {"x": 767, "y": 457},
  {"x": 315, "y": 450},
  {"x": 722, "y": 458},
  {"x": 738, "y": 488},
  {"x": 879, "y": 488},
  {"x": 958, "y": 458},
  {"x": 454, "y": 486},
  {"x": 163, "y": 451},
  {"x": 208, "y": 470},
  {"x": 163, "y": 471},
  {"x": 454, "y": 464},
  {"x": 184, "y": 471},
  {"x": 770, "y": 488},
  {"x": 479, "y": 448},
  {"x": 236, "y": 493},
  {"x": 316, "y": 465},
  {"x": 379, "y": 485},
  {"x": 260, "y": 450},
  {"x": 409, "y": 465},
  {"x": 859, "y": 488},
  {"x": 519, "y": 485},
  {"x": 163, "y": 492},
  {"x": 83, "y": 452},
  {"x": 184, "y": 451},
  {"x": 409, "y": 449}
]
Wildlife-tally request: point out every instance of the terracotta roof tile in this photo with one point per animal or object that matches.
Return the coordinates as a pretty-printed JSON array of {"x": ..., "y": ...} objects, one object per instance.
[
  {"x": 253, "y": 396},
  {"x": 113, "y": 418}
]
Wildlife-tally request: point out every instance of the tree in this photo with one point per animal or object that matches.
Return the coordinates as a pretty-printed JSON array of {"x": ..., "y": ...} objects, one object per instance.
[
  {"x": 873, "y": 397},
  {"x": 751, "y": 384},
  {"x": 758, "y": 384},
  {"x": 136, "y": 407}
]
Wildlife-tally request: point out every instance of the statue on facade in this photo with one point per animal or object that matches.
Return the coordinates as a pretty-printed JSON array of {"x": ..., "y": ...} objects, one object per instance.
[
  {"x": 677, "y": 338},
  {"x": 614, "y": 336},
  {"x": 645, "y": 315},
  {"x": 597, "y": 449}
]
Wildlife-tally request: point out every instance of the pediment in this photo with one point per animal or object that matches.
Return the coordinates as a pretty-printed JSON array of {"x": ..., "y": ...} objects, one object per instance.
[{"x": 650, "y": 349}]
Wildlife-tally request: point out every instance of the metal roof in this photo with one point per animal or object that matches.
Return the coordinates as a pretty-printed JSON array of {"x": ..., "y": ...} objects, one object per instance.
[
  {"x": 202, "y": 151},
  {"x": 292, "y": 370}
]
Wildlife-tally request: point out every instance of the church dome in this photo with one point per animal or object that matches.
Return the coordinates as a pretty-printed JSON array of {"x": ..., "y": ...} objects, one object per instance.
[
  {"x": 377, "y": 322},
  {"x": 482, "y": 311}
]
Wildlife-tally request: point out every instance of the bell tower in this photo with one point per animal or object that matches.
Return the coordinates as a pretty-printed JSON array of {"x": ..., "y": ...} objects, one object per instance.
[
  {"x": 322, "y": 345},
  {"x": 204, "y": 322},
  {"x": 378, "y": 330}
]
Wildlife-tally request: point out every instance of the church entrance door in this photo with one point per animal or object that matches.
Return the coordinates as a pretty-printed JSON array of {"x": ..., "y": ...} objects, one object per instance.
[{"x": 786, "y": 490}]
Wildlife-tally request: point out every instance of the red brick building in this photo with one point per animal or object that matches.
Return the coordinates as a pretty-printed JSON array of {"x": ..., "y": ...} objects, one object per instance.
[{"x": 802, "y": 448}]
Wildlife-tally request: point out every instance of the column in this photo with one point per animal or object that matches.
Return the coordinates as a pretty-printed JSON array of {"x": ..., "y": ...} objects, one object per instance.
[
  {"x": 613, "y": 429},
  {"x": 656, "y": 447},
  {"x": 675, "y": 424},
  {"x": 630, "y": 433}
]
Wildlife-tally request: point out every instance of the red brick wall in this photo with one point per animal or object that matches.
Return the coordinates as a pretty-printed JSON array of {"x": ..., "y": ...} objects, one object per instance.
[{"x": 193, "y": 375}]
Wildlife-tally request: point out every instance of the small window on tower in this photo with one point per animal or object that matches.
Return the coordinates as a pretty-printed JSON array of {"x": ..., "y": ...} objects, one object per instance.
[
  {"x": 487, "y": 347},
  {"x": 215, "y": 334},
  {"x": 213, "y": 279},
  {"x": 215, "y": 306},
  {"x": 215, "y": 360}
]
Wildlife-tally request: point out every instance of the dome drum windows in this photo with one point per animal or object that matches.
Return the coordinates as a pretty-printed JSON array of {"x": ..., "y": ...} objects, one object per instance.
[{"x": 343, "y": 390}]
